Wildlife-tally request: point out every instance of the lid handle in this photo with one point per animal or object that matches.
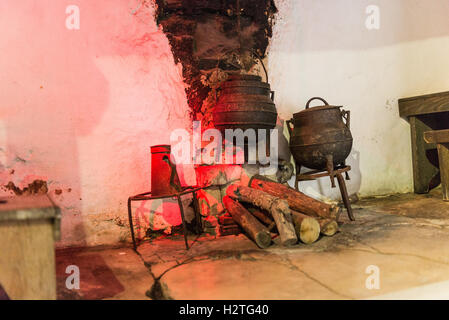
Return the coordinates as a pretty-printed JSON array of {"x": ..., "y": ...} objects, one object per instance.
[{"x": 316, "y": 98}]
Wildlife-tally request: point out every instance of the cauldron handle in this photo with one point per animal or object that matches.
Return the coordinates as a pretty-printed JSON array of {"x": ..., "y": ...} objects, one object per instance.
[
  {"x": 316, "y": 98},
  {"x": 263, "y": 66},
  {"x": 264, "y": 69},
  {"x": 347, "y": 116}
]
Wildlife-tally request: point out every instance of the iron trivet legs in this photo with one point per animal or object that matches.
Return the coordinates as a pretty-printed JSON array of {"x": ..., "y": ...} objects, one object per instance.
[
  {"x": 147, "y": 196},
  {"x": 332, "y": 173}
]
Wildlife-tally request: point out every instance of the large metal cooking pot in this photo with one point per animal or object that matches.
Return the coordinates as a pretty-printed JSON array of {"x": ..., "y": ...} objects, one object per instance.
[
  {"x": 245, "y": 102},
  {"x": 320, "y": 137}
]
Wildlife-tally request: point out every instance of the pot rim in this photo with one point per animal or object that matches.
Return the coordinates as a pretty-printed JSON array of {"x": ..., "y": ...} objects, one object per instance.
[{"x": 314, "y": 109}]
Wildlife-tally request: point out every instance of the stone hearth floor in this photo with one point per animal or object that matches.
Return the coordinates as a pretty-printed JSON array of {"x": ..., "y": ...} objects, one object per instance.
[{"x": 405, "y": 236}]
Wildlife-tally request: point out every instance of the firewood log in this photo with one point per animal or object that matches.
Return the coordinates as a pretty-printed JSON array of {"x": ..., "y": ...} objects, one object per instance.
[
  {"x": 255, "y": 230},
  {"x": 297, "y": 201},
  {"x": 307, "y": 228},
  {"x": 329, "y": 227},
  {"x": 277, "y": 207},
  {"x": 260, "y": 215}
]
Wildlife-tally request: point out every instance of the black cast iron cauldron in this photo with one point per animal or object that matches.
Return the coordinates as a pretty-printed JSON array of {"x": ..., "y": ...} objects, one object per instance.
[
  {"x": 320, "y": 137},
  {"x": 245, "y": 102}
]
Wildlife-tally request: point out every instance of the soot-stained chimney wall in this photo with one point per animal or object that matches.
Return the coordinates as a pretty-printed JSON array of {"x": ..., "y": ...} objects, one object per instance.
[{"x": 213, "y": 37}]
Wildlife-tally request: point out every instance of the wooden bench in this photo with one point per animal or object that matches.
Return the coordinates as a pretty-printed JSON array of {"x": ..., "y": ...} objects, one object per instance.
[
  {"x": 441, "y": 139},
  {"x": 425, "y": 113}
]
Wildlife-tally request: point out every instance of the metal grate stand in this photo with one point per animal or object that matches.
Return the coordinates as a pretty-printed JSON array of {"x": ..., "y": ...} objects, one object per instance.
[
  {"x": 334, "y": 172},
  {"x": 186, "y": 190}
]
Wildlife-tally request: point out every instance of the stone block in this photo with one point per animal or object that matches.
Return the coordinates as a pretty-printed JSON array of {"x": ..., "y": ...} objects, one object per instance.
[
  {"x": 159, "y": 215},
  {"x": 229, "y": 230},
  {"x": 211, "y": 225},
  {"x": 248, "y": 171},
  {"x": 210, "y": 201},
  {"x": 217, "y": 175},
  {"x": 226, "y": 220}
]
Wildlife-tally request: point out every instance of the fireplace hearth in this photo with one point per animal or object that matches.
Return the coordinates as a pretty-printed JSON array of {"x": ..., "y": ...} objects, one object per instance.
[{"x": 221, "y": 46}]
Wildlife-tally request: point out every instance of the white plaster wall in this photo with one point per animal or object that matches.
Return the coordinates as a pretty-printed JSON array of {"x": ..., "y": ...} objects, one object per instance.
[
  {"x": 81, "y": 108},
  {"x": 322, "y": 48}
]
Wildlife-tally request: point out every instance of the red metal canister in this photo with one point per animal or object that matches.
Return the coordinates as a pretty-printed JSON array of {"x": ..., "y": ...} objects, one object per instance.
[{"x": 164, "y": 178}]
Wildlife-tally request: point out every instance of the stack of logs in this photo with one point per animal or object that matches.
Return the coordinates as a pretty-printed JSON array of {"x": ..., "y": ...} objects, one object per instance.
[{"x": 266, "y": 207}]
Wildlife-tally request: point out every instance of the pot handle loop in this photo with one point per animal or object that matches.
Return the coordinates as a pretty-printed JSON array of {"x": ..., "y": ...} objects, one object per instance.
[
  {"x": 347, "y": 116},
  {"x": 316, "y": 98},
  {"x": 290, "y": 129},
  {"x": 263, "y": 65}
]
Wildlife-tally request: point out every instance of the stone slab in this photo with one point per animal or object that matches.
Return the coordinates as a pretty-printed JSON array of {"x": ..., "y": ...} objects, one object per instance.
[{"x": 104, "y": 274}]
